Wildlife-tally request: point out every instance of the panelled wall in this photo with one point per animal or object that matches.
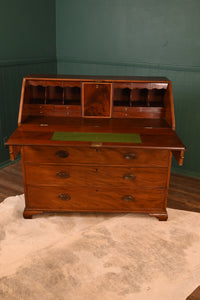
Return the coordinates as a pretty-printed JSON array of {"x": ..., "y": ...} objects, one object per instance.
[
  {"x": 104, "y": 37},
  {"x": 140, "y": 37},
  {"x": 28, "y": 45}
]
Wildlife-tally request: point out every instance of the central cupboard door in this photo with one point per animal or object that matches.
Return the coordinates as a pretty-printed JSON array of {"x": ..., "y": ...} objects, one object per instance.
[{"x": 96, "y": 99}]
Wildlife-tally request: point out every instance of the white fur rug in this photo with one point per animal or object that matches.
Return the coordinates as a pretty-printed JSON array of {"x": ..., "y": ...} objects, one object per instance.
[{"x": 97, "y": 256}]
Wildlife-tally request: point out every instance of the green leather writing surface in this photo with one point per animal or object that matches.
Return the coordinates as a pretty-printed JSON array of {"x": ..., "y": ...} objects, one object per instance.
[{"x": 96, "y": 137}]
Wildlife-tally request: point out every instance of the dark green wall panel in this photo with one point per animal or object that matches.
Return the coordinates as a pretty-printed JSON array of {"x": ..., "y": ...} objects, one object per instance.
[
  {"x": 129, "y": 31},
  {"x": 28, "y": 45},
  {"x": 27, "y": 29}
]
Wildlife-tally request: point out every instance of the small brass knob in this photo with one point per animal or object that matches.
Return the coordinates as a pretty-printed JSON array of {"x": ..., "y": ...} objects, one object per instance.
[
  {"x": 128, "y": 198},
  {"x": 130, "y": 156},
  {"x": 62, "y": 153},
  {"x": 129, "y": 176},
  {"x": 64, "y": 196},
  {"x": 63, "y": 174}
]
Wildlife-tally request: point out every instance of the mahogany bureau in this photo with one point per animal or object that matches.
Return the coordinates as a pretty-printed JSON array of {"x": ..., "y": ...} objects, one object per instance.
[{"x": 96, "y": 144}]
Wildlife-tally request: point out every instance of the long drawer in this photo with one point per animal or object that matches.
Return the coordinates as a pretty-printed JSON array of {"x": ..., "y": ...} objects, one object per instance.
[
  {"x": 89, "y": 155},
  {"x": 69, "y": 175},
  {"x": 90, "y": 199}
]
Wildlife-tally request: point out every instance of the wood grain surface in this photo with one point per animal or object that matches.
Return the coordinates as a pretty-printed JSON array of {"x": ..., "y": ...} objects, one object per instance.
[
  {"x": 184, "y": 191},
  {"x": 68, "y": 175},
  {"x": 93, "y": 155}
]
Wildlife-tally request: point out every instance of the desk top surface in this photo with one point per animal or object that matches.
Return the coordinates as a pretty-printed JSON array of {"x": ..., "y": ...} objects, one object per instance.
[{"x": 154, "y": 134}]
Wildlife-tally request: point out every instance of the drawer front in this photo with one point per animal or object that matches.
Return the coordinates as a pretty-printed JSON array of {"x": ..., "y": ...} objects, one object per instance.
[
  {"x": 90, "y": 199},
  {"x": 69, "y": 175},
  {"x": 89, "y": 155}
]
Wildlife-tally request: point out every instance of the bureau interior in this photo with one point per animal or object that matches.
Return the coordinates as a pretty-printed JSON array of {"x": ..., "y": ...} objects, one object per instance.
[
  {"x": 52, "y": 94},
  {"x": 60, "y": 98}
]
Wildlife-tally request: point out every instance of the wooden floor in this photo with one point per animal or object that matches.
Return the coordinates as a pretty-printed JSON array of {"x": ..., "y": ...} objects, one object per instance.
[
  {"x": 11, "y": 182},
  {"x": 184, "y": 193}
]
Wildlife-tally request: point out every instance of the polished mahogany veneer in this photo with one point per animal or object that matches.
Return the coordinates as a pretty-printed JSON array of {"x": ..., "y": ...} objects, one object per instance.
[{"x": 96, "y": 176}]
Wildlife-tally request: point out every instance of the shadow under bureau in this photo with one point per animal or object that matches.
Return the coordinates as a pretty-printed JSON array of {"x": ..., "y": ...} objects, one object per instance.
[{"x": 96, "y": 144}]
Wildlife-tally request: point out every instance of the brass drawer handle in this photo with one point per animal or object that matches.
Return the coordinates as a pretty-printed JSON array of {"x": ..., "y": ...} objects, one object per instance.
[
  {"x": 63, "y": 174},
  {"x": 96, "y": 144},
  {"x": 129, "y": 176},
  {"x": 128, "y": 198},
  {"x": 62, "y": 153},
  {"x": 64, "y": 196},
  {"x": 130, "y": 156}
]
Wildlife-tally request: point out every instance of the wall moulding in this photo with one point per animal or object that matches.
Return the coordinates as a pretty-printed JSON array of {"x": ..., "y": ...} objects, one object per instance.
[
  {"x": 145, "y": 65},
  {"x": 26, "y": 61}
]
